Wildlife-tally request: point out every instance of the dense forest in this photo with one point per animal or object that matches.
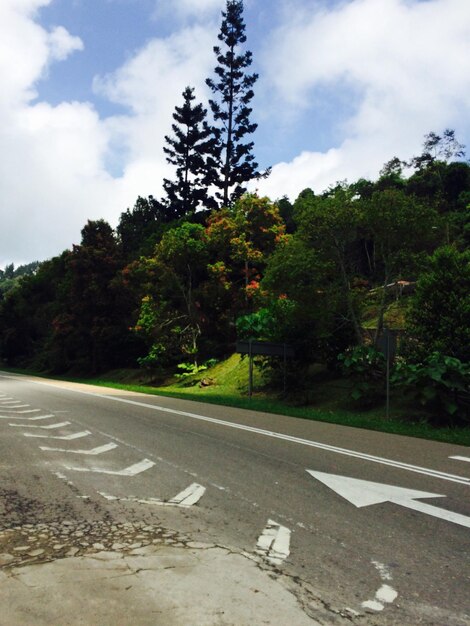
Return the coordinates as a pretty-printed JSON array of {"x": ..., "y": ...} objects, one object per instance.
[{"x": 183, "y": 277}]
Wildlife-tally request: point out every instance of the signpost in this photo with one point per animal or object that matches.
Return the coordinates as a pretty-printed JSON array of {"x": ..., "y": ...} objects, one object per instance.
[
  {"x": 263, "y": 348},
  {"x": 387, "y": 344}
]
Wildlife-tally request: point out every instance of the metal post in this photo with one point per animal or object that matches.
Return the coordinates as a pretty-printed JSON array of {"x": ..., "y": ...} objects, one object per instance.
[
  {"x": 250, "y": 371},
  {"x": 285, "y": 368},
  {"x": 387, "y": 356}
]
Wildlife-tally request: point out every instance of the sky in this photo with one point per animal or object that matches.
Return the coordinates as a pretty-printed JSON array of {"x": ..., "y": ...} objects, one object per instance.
[{"x": 88, "y": 88}]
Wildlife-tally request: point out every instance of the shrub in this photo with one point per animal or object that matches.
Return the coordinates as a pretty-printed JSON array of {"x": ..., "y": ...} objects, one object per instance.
[
  {"x": 366, "y": 367},
  {"x": 440, "y": 383}
]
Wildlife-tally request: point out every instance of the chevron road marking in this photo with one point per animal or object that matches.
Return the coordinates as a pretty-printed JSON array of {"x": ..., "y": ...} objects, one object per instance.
[
  {"x": 71, "y": 437},
  {"x": 274, "y": 542},
  {"x": 31, "y": 419},
  {"x": 132, "y": 470},
  {"x": 49, "y": 427},
  {"x": 95, "y": 451},
  {"x": 269, "y": 433},
  {"x": 191, "y": 495},
  {"x": 16, "y": 412}
]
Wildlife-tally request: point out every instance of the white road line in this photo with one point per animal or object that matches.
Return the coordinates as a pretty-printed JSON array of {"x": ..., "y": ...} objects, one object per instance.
[
  {"x": 14, "y": 405},
  {"x": 31, "y": 419},
  {"x": 48, "y": 427},
  {"x": 273, "y": 543},
  {"x": 16, "y": 412},
  {"x": 83, "y": 433},
  {"x": 95, "y": 451},
  {"x": 461, "y": 458},
  {"x": 268, "y": 433},
  {"x": 40, "y": 417},
  {"x": 132, "y": 470},
  {"x": 184, "y": 500}
]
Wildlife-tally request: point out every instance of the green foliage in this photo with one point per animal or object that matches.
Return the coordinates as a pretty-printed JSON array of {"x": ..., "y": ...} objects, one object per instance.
[
  {"x": 440, "y": 309},
  {"x": 192, "y": 369},
  {"x": 440, "y": 383},
  {"x": 366, "y": 367}
]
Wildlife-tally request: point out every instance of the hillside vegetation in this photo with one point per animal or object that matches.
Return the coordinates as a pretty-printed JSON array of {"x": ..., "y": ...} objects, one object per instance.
[{"x": 182, "y": 278}]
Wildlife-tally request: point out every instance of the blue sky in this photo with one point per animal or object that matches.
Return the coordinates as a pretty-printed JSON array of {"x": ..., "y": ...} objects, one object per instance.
[{"x": 89, "y": 86}]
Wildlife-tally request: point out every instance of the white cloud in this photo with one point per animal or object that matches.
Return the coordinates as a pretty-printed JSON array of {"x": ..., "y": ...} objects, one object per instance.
[
  {"x": 62, "y": 43},
  {"x": 410, "y": 62},
  {"x": 53, "y": 164}
]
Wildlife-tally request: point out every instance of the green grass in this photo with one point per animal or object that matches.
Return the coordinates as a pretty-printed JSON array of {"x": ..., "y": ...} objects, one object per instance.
[{"x": 327, "y": 400}]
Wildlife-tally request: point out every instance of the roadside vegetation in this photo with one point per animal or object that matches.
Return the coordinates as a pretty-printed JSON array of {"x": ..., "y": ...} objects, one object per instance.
[{"x": 169, "y": 292}]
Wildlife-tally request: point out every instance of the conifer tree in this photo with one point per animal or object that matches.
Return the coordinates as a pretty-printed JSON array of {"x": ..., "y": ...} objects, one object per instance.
[
  {"x": 233, "y": 91},
  {"x": 191, "y": 150}
]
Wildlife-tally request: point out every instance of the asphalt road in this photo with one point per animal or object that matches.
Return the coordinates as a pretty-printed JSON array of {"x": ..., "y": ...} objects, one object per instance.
[{"x": 256, "y": 483}]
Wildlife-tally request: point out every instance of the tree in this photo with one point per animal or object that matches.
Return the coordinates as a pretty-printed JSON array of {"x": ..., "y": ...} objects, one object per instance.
[
  {"x": 401, "y": 229},
  {"x": 440, "y": 309},
  {"x": 438, "y": 148},
  {"x": 139, "y": 228},
  {"x": 242, "y": 239},
  {"x": 233, "y": 89},
  {"x": 192, "y": 150},
  {"x": 170, "y": 317},
  {"x": 330, "y": 224}
]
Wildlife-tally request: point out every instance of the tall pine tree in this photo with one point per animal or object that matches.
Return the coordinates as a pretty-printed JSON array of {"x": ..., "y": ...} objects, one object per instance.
[
  {"x": 191, "y": 149},
  {"x": 233, "y": 91}
]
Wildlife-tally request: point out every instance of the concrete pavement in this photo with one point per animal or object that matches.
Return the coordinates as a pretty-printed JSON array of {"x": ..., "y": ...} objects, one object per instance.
[{"x": 135, "y": 574}]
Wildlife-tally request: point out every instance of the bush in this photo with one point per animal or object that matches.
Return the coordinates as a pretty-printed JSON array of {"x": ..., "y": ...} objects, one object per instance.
[
  {"x": 441, "y": 384},
  {"x": 440, "y": 311},
  {"x": 365, "y": 366}
]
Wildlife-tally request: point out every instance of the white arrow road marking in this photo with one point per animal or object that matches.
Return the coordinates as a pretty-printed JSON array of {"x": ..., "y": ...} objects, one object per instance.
[
  {"x": 461, "y": 458},
  {"x": 83, "y": 433},
  {"x": 273, "y": 543},
  {"x": 48, "y": 427},
  {"x": 132, "y": 470},
  {"x": 365, "y": 493},
  {"x": 191, "y": 495},
  {"x": 20, "y": 417},
  {"x": 93, "y": 452}
]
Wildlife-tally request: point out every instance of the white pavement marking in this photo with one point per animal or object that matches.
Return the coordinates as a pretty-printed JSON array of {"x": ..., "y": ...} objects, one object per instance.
[
  {"x": 268, "y": 433},
  {"x": 185, "y": 499},
  {"x": 461, "y": 458},
  {"x": 26, "y": 412},
  {"x": 14, "y": 405},
  {"x": 31, "y": 419},
  {"x": 48, "y": 427},
  {"x": 365, "y": 493},
  {"x": 83, "y": 433},
  {"x": 95, "y": 451},
  {"x": 385, "y": 594},
  {"x": 40, "y": 417},
  {"x": 273, "y": 543},
  {"x": 132, "y": 470}
]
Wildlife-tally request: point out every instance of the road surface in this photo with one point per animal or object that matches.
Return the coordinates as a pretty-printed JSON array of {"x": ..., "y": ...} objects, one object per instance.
[{"x": 356, "y": 526}]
